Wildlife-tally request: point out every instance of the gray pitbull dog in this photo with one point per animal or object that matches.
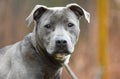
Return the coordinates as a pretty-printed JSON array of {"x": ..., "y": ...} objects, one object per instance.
[{"x": 42, "y": 53}]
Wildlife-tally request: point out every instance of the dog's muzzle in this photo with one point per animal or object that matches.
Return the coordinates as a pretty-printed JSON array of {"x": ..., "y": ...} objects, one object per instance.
[
  {"x": 61, "y": 46},
  {"x": 61, "y": 49}
]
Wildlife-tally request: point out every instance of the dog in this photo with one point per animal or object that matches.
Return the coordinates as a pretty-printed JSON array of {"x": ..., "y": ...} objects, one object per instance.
[{"x": 42, "y": 53}]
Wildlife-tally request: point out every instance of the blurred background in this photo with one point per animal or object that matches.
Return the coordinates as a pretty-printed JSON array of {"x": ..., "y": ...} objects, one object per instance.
[{"x": 85, "y": 61}]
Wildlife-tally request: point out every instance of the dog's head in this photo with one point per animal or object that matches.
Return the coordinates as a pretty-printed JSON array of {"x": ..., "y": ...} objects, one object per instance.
[{"x": 57, "y": 28}]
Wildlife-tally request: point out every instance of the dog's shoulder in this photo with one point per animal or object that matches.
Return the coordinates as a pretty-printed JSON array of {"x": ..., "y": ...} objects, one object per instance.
[
  {"x": 3, "y": 50},
  {"x": 16, "y": 46},
  {"x": 9, "y": 48}
]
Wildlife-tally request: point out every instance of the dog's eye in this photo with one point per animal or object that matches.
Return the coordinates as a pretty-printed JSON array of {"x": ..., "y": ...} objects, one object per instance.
[
  {"x": 47, "y": 26},
  {"x": 70, "y": 24}
]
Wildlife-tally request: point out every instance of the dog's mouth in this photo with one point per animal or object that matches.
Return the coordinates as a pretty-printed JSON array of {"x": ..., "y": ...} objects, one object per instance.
[
  {"x": 60, "y": 53},
  {"x": 60, "y": 56}
]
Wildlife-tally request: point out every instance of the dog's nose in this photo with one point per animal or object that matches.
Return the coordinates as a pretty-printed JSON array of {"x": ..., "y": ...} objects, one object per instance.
[
  {"x": 61, "y": 42},
  {"x": 61, "y": 46}
]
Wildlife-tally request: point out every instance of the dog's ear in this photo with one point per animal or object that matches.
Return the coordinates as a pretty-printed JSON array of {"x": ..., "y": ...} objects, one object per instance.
[
  {"x": 35, "y": 14},
  {"x": 79, "y": 11}
]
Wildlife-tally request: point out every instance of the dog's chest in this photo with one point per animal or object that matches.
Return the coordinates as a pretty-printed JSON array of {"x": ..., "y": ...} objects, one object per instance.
[{"x": 38, "y": 68}]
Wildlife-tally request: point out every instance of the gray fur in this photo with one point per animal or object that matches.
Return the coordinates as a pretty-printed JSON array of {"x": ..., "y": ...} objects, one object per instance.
[{"x": 37, "y": 56}]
